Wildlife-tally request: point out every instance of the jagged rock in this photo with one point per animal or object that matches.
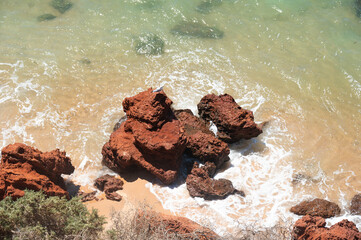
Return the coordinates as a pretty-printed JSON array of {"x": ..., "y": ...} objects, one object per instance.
[
  {"x": 317, "y": 207},
  {"x": 109, "y": 184},
  {"x": 180, "y": 226},
  {"x": 45, "y": 17},
  {"x": 232, "y": 121},
  {"x": 356, "y": 205},
  {"x": 151, "y": 137},
  {"x": 199, "y": 184},
  {"x": 23, "y": 167},
  {"x": 206, "y": 6},
  {"x": 89, "y": 196},
  {"x": 149, "y": 44},
  {"x": 202, "y": 143},
  {"x": 198, "y": 30},
  {"x": 61, "y": 5},
  {"x": 313, "y": 228}
]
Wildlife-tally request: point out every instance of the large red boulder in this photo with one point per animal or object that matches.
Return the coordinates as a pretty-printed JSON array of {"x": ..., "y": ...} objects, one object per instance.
[
  {"x": 356, "y": 205},
  {"x": 317, "y": 207},
  {"x": 202, "y": 143},
  {"x": 23, "y": 167},
  {"x": 200, "y": 184},
  {"x": 151, "y": 138},
  {"x": 232, "y": 121},
  {"x": 313, "y": 228}
]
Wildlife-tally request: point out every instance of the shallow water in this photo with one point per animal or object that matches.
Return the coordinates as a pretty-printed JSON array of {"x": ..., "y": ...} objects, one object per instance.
[{"x": 296, "y": 64}]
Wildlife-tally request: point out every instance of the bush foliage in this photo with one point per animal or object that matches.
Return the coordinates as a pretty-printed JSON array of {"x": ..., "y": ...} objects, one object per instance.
[{"x": 36, "y": 216}]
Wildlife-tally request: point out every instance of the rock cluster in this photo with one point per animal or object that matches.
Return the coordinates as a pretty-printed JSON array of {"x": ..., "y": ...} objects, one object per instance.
[
  {"x": 23, "y": 167},
  {"x": 313, "y": 227},
  {"x": 317, "y": 207},
  {"x": 109, "y": 184}
]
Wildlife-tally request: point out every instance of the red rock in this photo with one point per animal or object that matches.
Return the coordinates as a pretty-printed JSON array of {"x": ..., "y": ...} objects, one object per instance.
[
  {"x": 202, "y": 143},
  {"x": 313, "y": 228},
  {"x": 317, "y": 207},
  {"x": 356, "y": 205},
  {"x": 151, "y": 138},
  {"x": 232, "y": 121},
  {"x": 199, "y": 184},
  {"x": 23, "y": 167},
  {"x": 180, "y": 226},
  {"x": 109, "y": 184},
  {"x": 87, "y": 196}
]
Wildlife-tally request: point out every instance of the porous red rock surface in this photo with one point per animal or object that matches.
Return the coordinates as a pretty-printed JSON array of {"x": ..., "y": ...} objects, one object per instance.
[
  {"x": 232, "y": 121},
  {"x": 181, "y": 226},
  {"x": 200, "y": 184},
  {"x": 151, "y": 138},
  {"x": 355, "y": 207},
  {"x": 109, "y": 184},
  {"x": 313, "y": 228},
  {"x": 202, "y": 142},
  {"x": 23, "y": 167},
  {"x": 317, "y": 207}
]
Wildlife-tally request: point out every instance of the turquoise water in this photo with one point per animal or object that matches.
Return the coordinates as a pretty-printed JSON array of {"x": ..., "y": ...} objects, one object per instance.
[{"x": 295, "y": 64}]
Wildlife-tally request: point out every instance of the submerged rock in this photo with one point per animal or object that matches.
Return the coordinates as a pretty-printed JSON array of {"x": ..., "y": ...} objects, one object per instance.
[
  {"x": 356, "y": 205},
  {"x": 45, "y": 17},
  {"x": 313, "y": 227},
  {"x": 23, "y": 167},
  {"x": 202, "y": 142},
  {"x": 61, "y": 5},
  {"x": 151, "y": 138},
  {"x": 358, "y": 8},
  {"x": 149, "y": 44},
  {"x": 109, "y": 184},
  {"x": 317, "y": 207},
  {"x": 200, "y": 184},
  {"x": 85, "y": 61},
  {"x": 233, "y": 122},
  {"x": 120, "y": 121},
  {"x": 197, "y": 30},
  {"x": 206, "y": 6}
]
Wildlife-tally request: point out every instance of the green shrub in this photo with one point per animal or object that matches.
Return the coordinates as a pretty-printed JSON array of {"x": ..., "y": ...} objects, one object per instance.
[{"x": 36, "y": 216}]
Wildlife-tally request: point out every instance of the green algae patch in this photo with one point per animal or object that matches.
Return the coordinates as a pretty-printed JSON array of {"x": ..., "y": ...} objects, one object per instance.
[
  {"x": 149, "y": 44},
  {"x": 61, "y": 5},
  {"x": 197, "y": 30},
  {"x": 45, "y": 17}
]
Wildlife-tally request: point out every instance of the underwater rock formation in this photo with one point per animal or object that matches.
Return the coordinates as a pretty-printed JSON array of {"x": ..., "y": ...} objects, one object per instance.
[
  {"x": 317, "y": 207},
  {"x": 200, "y": 184},
  {"x": 23, "y": 167},
  {"x": 233, "y": 122},
  {"x": 358, "y": 8},
  {"x": 206, "y": 6},
  {"x": 313, "y": 227},
  {"x": 45, "y": 17},
  {"x": 197, "y": 30},
  {"x": 151, "y": 137},
  {"x": 149, "y": 44},
  {"x": 202, "y": 142},
  {"x": 355, "y": 207},
  {"x": 61, "y": 5}
]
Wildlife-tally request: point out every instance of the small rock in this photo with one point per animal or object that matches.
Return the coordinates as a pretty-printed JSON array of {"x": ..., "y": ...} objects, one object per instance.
[
  {"x": 61, "y": 5},
  {"x": 206, "y": 6},
  {"x": 356, "y": 205},
  {"x": 45, "y": 17},
  {"x": 86, "y": 197},
  {"x": 85, "y": 61},
  {"x": 149, "y": 44},
  {"x": 109, "y": 184},
  {"x": 121, "y": 120},
  {"x": 317, "y": 207},
  {"x": 197, "y": 30},
  {"x": 113, "y": 196}
]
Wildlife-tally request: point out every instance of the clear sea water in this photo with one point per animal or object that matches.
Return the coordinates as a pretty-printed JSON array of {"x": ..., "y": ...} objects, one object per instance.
[{"x": 296, "y": 64}]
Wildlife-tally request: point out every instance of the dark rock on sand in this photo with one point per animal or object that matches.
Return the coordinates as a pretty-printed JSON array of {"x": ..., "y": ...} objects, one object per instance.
[
  {"x": 202, "y": 142},
  {"x": 89, "y": 196},
  {"x": 149, "y": 44},
  {"x": 317, "y": 207},
  {"x": 151, "y": 137},
  {"x": 109, "y": 184},
  {"x": 356, "y": 205},
  {"x": 61, "y": 5},
  {"x": 206, "y": 6},
  {"x": 23, "y": 167},
  {"x": 197, "y": 30},
  {"x": 200, "y": 184},
  {"x": 313, "y": 228},
  {"x": 45, "y": 17},
  {"x": 232, "y": 121}
]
